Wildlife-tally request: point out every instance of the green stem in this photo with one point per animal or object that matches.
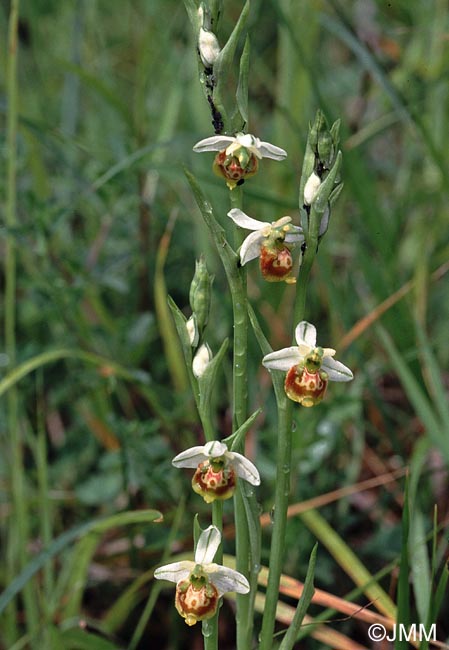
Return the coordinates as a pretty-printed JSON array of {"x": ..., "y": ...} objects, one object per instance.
[
  {"x": 210, "y": 627},
  {"x": 244, "y": 560},
  {"x": 19, "y": 525},
  {"x": 283, "y": 469}
]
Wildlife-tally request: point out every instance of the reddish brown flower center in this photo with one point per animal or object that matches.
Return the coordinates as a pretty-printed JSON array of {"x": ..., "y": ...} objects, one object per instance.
[
  {"x": 305, "y": 387},
  {"x": 196, "y": 604}
]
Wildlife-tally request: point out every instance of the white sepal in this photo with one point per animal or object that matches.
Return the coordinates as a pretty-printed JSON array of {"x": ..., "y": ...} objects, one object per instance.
[
  {"x": 225, "y": 579},
  {"x": 215, "y": 143},
  {"x": 175, "y": 572},
  {"x": 244, "y": 468},
  {"x": 207, "y": 546},
  {"x": 242, "y": 220},
  {"x": 305, "y": 333},
  {"x": 190, "y": 457},
  {"x": 336, "y": 370},
  {"x": 282, "y": 359},
  {"x": 250, "y": 248},
  {"x": 271, "y": 151}
]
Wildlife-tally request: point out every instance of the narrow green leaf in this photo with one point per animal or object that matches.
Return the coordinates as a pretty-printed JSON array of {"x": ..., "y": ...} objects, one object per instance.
[
  {"x": 348, "y": 560},
  {"x": 419, "y": 563},
  {"x": 77, "y": 639},
  {"x": 242, "y": 88},
  {"x": 64, "y": 540},
  {"x": 437, "y": 387},
  {"x": 77, "y": 578},
  {"x": 192, "y": 12},
  {"x": 277, "y": 377},
  {"x": 224, "y": 63},
  {"x": 235, "y": 440},
  {"x": 415, "y": 394},
  {"x": 403, "y": 597},
  {"x": 172, "y": 349},
  {"x": 303, "y": 604},
  {"x": 50, "y": 356},
  {"x": 228, "y": 257}
]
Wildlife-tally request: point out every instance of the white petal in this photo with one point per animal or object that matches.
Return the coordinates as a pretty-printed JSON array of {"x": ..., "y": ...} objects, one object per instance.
[
  {"x": 304, "y": 349},
  {"x": 336, "y": 370},
  {"x": 244, "y": 468},
  {"x": 215, "y": 448},
  {"x": 328, "y": 352},
  {"x": 242, "y": 220},
  {"x": 215, "y": 143},
  {"x": 175, "y": 572},
  {"x": 190, "y": 457},
  {"x": 271, "y": 151},
  {"x": 207, "y": 546},
  {"x": 250, "y": 249},
  {"x": 282, "y": 359},
  {"x": 305, "y": 333},
  {"x": 226, "y": 579}
]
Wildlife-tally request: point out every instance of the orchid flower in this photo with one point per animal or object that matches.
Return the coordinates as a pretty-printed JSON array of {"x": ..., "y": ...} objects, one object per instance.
[
  {"x": 217, "y": 470},
  {"x": 269, "y": 242},
  {"x": 238, "y": 156},
  {"x": 308, "y": 367},
  {"x": 201, "y": 583}
]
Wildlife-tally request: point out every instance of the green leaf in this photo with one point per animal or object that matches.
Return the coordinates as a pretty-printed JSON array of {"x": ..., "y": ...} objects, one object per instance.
[
  {"x": 50, "y": 356},
  {"x": 77, "y": 639},
  {"x": 403, "y": 597},
  {"x": 228, "y": 257},
  {"x": 303, "y": 604},
  {"x": 419, "y": 563},
  {"x": 64, "y": 540},
  {"x": 234, "y": 441},
  {"x": 224, "y": 63},
  {"x": 415, "y": 394},
  {"x": 242, "y": 88}
]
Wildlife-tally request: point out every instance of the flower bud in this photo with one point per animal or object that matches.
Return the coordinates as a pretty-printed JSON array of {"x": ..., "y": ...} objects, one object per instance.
[
  {"x": 196, "y": 600},
  {"x": 201, "y": 360},
  {"x": 192, "y": 331},
  {"x": 208, "y": 47},
  {"x": 276, "y": 263},
  {"x": 325, "y": 147},
  {"x": 304, "y": 386},
  {"x": 200, "y": 294},
  {"x": 311, "y": 188}
]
